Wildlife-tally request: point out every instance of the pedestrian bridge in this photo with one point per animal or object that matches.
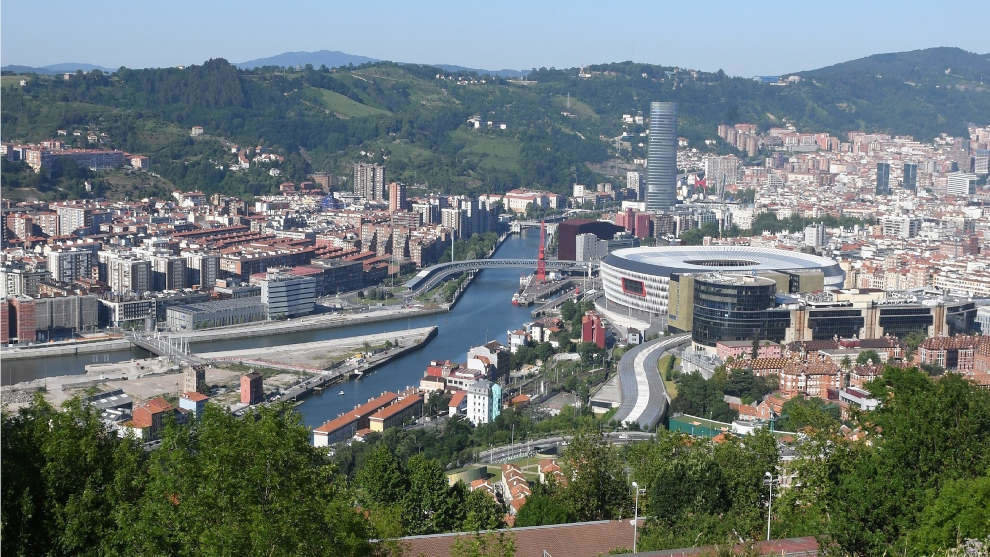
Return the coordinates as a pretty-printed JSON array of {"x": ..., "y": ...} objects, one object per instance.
[{"x": 433, "y": 275}]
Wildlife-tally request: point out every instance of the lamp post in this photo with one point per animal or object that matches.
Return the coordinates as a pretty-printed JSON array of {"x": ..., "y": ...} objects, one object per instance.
[
  {"x": 769, "y": 482},
  {"x": 635, "y": 522}
]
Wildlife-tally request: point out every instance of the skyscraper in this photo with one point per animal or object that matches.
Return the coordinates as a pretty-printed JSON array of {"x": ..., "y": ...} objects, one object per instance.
[
  {"x": 910, "y": 181},
  {"x": 883, "y": 178},
  {"x": 661, "y": 169}
]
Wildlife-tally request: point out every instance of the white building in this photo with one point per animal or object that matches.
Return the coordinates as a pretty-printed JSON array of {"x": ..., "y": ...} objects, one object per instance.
[
  {"x": 960, "y": 183},
  {"x": 814, "y": 235},
  {"x": 484, "y": 401}
]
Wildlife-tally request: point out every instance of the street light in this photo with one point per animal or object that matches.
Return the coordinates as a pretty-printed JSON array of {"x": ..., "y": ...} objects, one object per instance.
[
  {"x": 769, "y": 482},
  {"x": 635, "y": 522}
]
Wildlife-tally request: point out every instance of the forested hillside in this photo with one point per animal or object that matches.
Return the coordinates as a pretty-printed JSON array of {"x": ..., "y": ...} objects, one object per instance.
[{"x": 554, "y": 123}]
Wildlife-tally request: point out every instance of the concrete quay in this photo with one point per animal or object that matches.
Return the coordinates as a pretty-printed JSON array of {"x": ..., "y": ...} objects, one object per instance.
[{"x": 65, "y": 349}]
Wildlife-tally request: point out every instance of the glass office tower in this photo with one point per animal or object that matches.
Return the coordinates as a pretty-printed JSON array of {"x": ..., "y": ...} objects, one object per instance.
[{"x": 661, "y": 169}]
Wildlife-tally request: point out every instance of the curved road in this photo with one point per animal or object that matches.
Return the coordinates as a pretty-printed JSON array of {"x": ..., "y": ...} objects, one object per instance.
[{"x": 644, "y": 398}]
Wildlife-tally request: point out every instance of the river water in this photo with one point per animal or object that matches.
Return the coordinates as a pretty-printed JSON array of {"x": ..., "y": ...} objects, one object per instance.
[{"x": 483, "y": 313}]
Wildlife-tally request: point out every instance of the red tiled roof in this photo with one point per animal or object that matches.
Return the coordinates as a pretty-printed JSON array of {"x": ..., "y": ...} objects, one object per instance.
[
  {"x": 195, "y": 397},
  {"x": 389, "y": 411},
  {"x": 456, "y": 399}
]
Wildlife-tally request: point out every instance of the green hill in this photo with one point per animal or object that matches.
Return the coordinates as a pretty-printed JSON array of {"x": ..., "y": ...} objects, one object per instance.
[{"x": 322, "y": 119}]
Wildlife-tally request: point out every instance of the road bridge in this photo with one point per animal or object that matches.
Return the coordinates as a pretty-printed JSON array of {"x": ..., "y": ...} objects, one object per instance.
[{"x": 433, "y": 275}]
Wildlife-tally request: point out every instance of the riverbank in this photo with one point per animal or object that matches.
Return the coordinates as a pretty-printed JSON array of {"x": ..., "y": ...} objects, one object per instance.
[
  {"x": 320, "y": 355},
  {"x": 282, "y": 366},
  {"x": 66, "y": 349}
]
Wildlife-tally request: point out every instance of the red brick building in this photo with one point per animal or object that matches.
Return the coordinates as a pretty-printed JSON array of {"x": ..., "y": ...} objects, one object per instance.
[{"x": 252, "y": 388}]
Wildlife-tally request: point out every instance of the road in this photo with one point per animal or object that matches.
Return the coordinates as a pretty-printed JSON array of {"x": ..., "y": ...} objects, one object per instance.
[
  {"x": 644, "y": 398},
  {"x": 517, "y": 450}
]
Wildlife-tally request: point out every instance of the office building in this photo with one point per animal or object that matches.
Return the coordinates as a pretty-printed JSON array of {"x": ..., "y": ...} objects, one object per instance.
[
  {"x": 661, "y": 169},
  {"x": 960, "y": 183},
  {"x": 369, "y": 181},
  {"x": 252, "y": 388},
  {"x": 286, "y": 295},
  {"x": 883, "y": 178},
  {"x": 568, "y": 231},
  {"x": 910, "y": 179}
]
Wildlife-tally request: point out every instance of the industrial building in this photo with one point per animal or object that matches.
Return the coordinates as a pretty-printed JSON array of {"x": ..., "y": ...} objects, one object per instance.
[{"x": 218, "y": 313}]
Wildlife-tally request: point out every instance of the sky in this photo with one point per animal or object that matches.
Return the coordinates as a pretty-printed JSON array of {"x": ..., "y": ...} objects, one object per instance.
[{"x": 742, "y": 38}]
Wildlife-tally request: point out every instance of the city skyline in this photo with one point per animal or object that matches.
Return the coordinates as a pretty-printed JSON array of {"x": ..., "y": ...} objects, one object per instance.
[{"x": 543, "y": 37}]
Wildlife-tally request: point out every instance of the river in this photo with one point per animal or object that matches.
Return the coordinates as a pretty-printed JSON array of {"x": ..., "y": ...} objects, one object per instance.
[{"x": 483, "y": 313}]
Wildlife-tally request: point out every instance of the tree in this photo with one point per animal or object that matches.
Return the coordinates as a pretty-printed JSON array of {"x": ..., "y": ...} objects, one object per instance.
[
  {"x": 913, "y": 340},
  {"x": 868, "y": 356},
  {"x": 958, "y": 511},
  {"x": 542, "y": 508},
  {"x": 799, "y": 413},
  {"x": 482, "y": 512},
  {"x": 245, "y": 486},
  {"x": 65, "y": 473},
  {"x": 430, "y": 504},
  {"x": 596, "y": 488},
  {"x": 380, "y": 478}
]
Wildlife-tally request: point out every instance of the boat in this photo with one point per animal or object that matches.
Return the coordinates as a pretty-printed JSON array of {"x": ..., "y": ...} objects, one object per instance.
[
  {"x": 341, "y": 393},
  {"x": 515, "y": 299}
]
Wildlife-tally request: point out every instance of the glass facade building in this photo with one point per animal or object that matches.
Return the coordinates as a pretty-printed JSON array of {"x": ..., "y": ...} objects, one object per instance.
[
  {"x": 736, "y": 307},
  {"x": 883, "y": 178},
  {"x": 661, "y": 168},
  {"x": 910, "y": 181}
]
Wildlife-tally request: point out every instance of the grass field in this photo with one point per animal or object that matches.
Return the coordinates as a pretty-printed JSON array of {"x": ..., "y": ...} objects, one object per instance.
[
  {"x": 343, "y": 106},
  {"x": 666, "y": 364},
  {"x": 492, "y": 152},
  {"x": 578, "y": 108},
  {"x": 11, "y": 80}
]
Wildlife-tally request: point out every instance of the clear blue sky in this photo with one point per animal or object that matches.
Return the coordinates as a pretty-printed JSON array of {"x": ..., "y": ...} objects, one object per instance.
[{"x": 743, "y": 38}]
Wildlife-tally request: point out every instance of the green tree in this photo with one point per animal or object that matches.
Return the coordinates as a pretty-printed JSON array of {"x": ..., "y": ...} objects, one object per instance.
[
  {"x": 543, "y": 508},
  {"x": 242, "y": 486},
  {"x": 597, "y": 488},
  {"x": 959, "y": 511},
  {"x": 799, "y": 413},
  {"x": 482, "y": 512},
  {"x": 65, "y": 477},
  {"x": 380, "y": 477},
  {"x": 868, "y": 356}
]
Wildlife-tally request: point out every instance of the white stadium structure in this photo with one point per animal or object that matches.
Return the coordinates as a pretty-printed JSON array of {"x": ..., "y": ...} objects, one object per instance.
[{"x": 636, "y": 280}]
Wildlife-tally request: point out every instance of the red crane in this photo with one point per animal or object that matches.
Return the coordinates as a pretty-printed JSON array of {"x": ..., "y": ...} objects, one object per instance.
[{"x": 541, "y": 261}]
